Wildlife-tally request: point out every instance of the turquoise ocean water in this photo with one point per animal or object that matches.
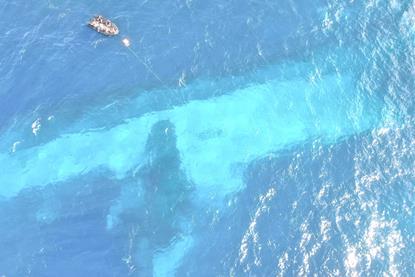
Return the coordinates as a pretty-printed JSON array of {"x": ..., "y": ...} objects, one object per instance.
[{"x": 237, "y": 138}]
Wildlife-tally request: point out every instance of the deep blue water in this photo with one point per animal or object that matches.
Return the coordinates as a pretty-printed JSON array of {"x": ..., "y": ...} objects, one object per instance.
[{"x": 231, "y": 138}]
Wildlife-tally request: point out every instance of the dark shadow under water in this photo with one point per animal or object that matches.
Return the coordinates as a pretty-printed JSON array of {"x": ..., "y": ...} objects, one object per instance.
[{"x": 62, "y": 228}]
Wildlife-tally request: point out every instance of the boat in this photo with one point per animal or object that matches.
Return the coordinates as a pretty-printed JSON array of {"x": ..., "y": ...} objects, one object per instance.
[{"x": 103, "y": 25}]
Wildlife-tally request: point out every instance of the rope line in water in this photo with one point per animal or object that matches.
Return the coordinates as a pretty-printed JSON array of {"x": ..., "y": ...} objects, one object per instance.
[{"x": 143, "y": 63}]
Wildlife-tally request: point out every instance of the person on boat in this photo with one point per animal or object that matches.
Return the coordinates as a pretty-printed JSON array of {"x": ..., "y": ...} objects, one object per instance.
[{"x": 99, "y": 18}]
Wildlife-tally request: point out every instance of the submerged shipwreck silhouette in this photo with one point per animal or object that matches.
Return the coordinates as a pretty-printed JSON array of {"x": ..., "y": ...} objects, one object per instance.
[{"x": 103, "y": 25}]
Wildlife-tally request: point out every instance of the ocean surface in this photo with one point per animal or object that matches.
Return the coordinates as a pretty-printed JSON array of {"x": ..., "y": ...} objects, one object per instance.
[{"x": 226, "y": 138}]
